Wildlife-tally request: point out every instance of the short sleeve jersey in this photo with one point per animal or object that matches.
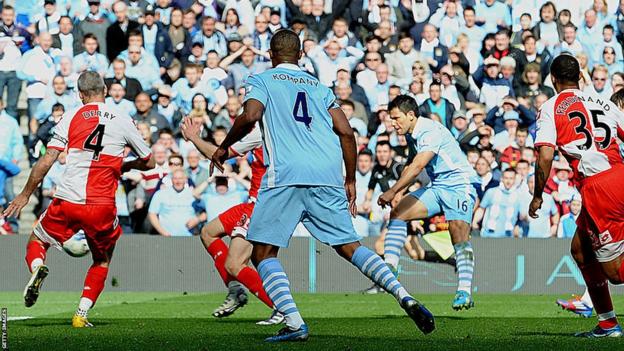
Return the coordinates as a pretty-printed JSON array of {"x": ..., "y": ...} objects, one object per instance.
[
  {"x": 300, "y": 146},
  {"x": 449, "y": 166},
  {"x": 94, "y": 136},
  {"x": 584, "y": 127}
]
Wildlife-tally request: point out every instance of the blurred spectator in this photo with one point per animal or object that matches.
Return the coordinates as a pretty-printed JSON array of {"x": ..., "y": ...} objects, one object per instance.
[
  {"x": 433, "y": 52},
  {"x": 10, "y": 57},
  {"x": 11, "y": 147},
  {"x": 58, "y": 94},
  {"x": 495, "y": 116},
  {"x": 438, "y": 105},
  {"x": 194, "y": 171},
  {"x": 131, "y": 85},
  {"x": 567, "y": 225},
  {"x": 484, "y": 171},
  {"x": 189, "y": 86},
  {"x": 16, "y": 31},
  {"x": 599, "y": 80},
  {"x": 52, "y": 179},
  {"x": 90, "y": 59},
  {"x": 492, "y": 84},
  {"x": 560, "y": 186},
  {"x": 211, "y": 38},
  {"x": 117, "y": 33},
  {"x": 400, "y": 62},
  {"x": 140, "y": 67},
  {"x": 242, "y": 64},
  {"x": 145, "y": 113},
  {"x": 531, "y": 85},
  {"x": 156, "y": 40},
  {"x": 168, "y": 109},
  {"x": 180, "y": 37},
  {"x": 545, "y": 226},
  {"x": 218, "y": 199},
  {"x": 474, "y": 32},
  {"x": 48, "y": 21},
  {"x": 97, "y": 23},
  {"x": 37, "y": 69},
  {"x": 500, "y": 209},
  {"x": 171, "y": 210},
  {"x": 328, "y": 57},
  {"x": 377, "y": 95},
  {"x": 116, "y": 97},
  {"x": 8, "y": 170},
  {"x": 68, "y": 39},
  {"x": 492, "y": 15}
]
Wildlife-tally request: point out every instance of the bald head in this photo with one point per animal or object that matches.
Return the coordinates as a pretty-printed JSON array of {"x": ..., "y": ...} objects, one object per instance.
[
  {"x": 45, "y": 41},
  {"x": 91, "y": 87},
  {"x": 285, "y": 47}
]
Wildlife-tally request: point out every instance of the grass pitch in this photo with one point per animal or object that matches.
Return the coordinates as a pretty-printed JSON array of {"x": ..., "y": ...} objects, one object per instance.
[{"x": 173, "y": 321}]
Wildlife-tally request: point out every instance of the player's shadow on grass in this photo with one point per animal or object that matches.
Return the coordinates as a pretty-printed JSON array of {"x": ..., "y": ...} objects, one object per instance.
[{"x": 541, "y": 333}]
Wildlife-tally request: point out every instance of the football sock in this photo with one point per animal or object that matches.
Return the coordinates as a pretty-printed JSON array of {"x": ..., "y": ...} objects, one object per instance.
[
  {"x": 394, "y": 241},
  {"x": 35, "y": 254},
  {"x": 376, "y": 270},
  {"x": 587, "y": 299},
  {"x": 84, "y": 306},
  {"x": 277, "y": 287},
  {"x": 218, "y": 250},
  {"x": 94, "y": 283},
  {"x": 251, "y": 279},
  {"x": 598, "y": 289},
  {"x": 465, "y": 266}
]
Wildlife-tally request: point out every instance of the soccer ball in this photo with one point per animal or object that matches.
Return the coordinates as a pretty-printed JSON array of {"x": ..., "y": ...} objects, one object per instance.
[{"x": 77, "y": 245}]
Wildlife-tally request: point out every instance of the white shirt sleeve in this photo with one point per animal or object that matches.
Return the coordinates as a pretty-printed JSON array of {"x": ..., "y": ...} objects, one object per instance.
[
  {"x": 546, "y": 133},
  {"x": 251, "y": 141}
]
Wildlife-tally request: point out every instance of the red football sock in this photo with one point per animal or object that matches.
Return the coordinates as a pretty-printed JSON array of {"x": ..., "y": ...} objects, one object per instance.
[
  {"x": 251, "y": 279},
  {"x": 598, "y": 289},
  {"x": 35, "y": 250},
  {"x": 94, "y": 282},
  {"x": 219, "y": 251}
]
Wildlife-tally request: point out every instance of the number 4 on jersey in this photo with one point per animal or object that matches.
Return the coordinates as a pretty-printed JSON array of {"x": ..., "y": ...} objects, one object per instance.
[
  {"x": 300, "y": 112},
  {"x": 94, "y": 141}
]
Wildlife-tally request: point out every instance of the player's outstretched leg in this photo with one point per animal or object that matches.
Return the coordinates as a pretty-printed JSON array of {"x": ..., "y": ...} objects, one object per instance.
[
  {"x": 464, "y": 256},
  {"x": 236, "y": 266},
  {"x": 580, "y": 305},
  {"x": 376, "y": 270},
  {"x": 277, "y": 286},
  {"x": 218, "y": 250},
  {"x": 35, "y": 259},
  {"x": 598, "y": 288}
]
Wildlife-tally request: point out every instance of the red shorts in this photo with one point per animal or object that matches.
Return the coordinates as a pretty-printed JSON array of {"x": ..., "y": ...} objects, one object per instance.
[
  {"x": 602, "y": 216},
  {"x": 63, "y": 219},
  {"x": 237, "y": 217}
]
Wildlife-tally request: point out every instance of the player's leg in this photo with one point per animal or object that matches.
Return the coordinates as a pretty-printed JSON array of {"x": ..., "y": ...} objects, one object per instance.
[
  {"x": 275, "y": 216},
  {"x": 409, "y": 208},
  {"x": 464, "y": 256},
  {"x": 237, "y": 266},
  {"x": 277, "y": 286},
  {"x": 211, "y": 235},
  {"x": 35, "y": 260},
  {"x": 328, "y": 220},
  {"x": 94, "y": 283},
  {"x": 596, "y": 282},
  {"x": 371, "y": 265},
  {"x": 51, "y": 230}
]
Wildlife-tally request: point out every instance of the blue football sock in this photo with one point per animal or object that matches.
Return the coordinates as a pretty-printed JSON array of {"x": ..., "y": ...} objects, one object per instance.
[
  {"x": 395, "y": 241},
  {"x": 276, "y": 285},
  {"x": 465, "y": 266},
  {"x": 374, "y": 268}
]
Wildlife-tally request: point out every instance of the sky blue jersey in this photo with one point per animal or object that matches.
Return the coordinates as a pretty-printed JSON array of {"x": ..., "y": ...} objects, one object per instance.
[
  {"x": 449, "y": 166},
  {"x": 300, "y": 145}
]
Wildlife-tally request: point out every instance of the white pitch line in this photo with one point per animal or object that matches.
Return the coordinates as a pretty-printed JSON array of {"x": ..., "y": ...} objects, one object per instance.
[{"x": 19, "y": 318}]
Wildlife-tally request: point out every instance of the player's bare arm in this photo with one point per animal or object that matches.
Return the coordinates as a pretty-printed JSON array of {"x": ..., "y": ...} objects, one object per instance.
[
  {"x": 138, "y": 164},
  {"x": 544, "y": 163},
  {"x": 244, "y": 123},
  {"x": 410, "y": 172},
  {"x": 37, "y": 174},
  {"x": 192, "y": 132},
  {"x": 343, "y": 129}
]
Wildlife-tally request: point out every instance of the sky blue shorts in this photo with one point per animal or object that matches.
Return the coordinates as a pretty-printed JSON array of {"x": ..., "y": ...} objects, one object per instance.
[
  {"x": 323, "y": 210},
  {"x": 456, "y": 202}
]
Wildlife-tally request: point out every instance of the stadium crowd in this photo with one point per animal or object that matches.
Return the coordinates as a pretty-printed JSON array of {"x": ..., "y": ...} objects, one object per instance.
[{"x": 480, "y": 67}]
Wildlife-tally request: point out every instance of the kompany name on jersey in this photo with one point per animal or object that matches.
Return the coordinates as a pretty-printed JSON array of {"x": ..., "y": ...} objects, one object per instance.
[{"x": 296, "y": 80}]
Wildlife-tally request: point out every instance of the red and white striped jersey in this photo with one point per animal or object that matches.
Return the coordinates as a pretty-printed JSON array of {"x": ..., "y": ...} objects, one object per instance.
[
  {"x": 95, "y": 136},
  {"x": 252, "y": 142},
  {"x": 584, "y": 127}
]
